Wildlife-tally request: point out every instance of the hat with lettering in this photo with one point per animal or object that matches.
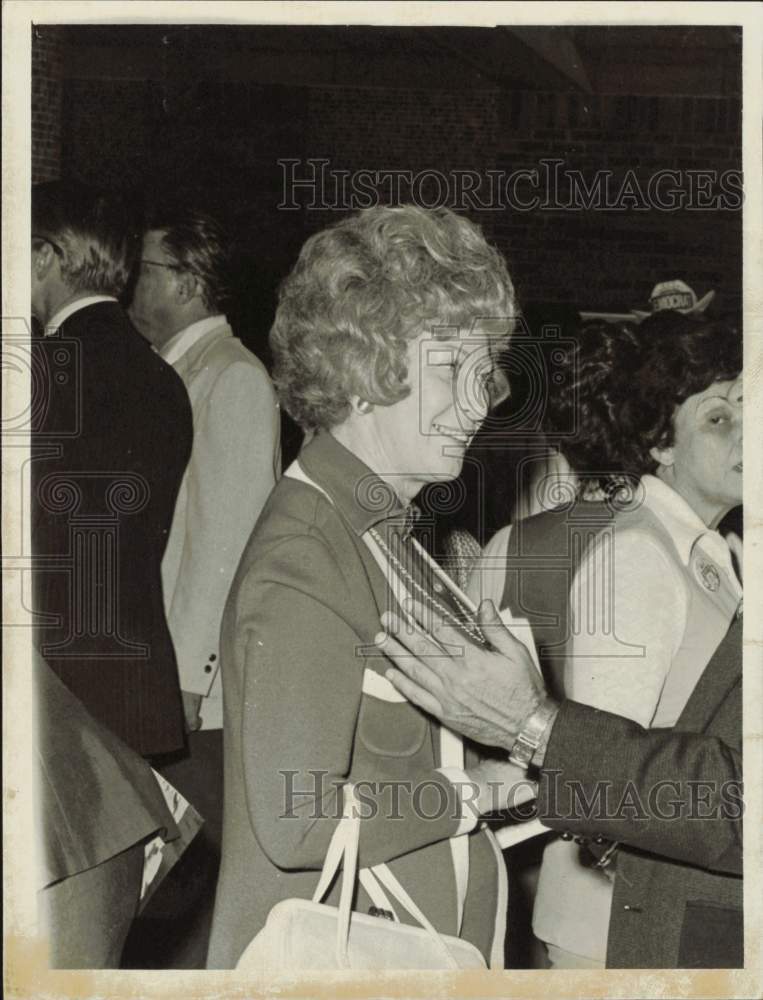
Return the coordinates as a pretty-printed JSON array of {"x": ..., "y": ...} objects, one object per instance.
[{"x": 675, "y": 295}]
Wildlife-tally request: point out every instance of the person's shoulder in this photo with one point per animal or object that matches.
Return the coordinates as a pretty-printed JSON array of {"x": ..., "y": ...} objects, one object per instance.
[
  {"x": 641, "y": 548},
  {"x": 103, "y": 324},
  {"x": 235, "y": 366},
  {"x": 299, "y": 536},
  {"x": 296, "y": 509},
  {"x": 548, "y": 531},
  {"x": 232, "y": 349},
  {"x": 223, "y": 366},
  {"x": 641, "y": 526},
  {"x": 121, "y": 354}
]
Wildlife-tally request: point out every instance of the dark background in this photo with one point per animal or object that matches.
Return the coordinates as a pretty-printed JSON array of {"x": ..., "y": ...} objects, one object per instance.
[{"x": 207, "y": 111}]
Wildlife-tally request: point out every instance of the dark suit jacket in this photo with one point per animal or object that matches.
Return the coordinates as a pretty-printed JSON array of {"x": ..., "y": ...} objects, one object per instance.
[
  {"x": 111, "y": 438},
  {"x": 678, "y": 886},
  {"x": 96, "y": 797}
]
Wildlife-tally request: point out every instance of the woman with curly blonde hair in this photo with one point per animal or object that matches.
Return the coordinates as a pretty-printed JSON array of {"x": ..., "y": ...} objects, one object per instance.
[{"x": 385, "y": 341}]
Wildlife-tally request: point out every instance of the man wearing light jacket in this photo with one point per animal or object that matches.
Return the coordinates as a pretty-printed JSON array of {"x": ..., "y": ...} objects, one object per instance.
[{"x": 234, "y": 464}]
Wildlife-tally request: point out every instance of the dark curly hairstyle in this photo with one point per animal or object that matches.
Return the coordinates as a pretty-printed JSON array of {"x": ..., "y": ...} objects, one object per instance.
[{"x": 624, "y": 386}]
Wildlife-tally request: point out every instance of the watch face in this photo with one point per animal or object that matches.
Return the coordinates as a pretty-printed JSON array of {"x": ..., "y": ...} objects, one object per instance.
[{"x": 522, "y": 752}]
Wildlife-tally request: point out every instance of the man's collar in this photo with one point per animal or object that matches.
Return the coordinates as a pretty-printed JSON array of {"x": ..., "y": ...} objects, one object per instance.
[
  {"x": 70, "y": 308},
  {"x": 361, "y": 496},
  {"x": 182, "y": 341}
]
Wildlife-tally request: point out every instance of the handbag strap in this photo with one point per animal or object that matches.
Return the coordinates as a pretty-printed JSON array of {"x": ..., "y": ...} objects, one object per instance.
[
  {"x": 343, "y": 850},
  {"x": 391, "y": 884},
  {"x": 343, "y": 846}
]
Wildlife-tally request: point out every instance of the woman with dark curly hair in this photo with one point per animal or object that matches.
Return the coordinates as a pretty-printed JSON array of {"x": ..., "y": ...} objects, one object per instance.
[
  {"x": 632, "y": 594},
  {"x": 385, "y": 341}
]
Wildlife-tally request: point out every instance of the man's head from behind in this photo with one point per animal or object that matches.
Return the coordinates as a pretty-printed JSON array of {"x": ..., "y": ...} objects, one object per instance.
[
  {"x": 82, "y": 244},
  {"x": 183, "y": 274}
]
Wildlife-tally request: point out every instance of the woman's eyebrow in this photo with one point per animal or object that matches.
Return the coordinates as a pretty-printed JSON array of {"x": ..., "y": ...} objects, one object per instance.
[
  {"x": 709, "y": 401},
  {"x": 713, "y": 399}
]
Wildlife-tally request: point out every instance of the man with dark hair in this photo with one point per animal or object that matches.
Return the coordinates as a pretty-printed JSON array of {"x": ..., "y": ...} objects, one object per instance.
[
  {"x": 177, "y": 306},
  {"x": 105, "y": 473}
]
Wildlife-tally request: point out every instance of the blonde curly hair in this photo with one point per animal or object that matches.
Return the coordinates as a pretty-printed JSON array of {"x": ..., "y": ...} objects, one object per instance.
[{"x": 362, "y": 289}]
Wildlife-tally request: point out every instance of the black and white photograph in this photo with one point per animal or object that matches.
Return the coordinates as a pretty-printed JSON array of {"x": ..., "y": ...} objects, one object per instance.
[{"x": 376, "y": 504}]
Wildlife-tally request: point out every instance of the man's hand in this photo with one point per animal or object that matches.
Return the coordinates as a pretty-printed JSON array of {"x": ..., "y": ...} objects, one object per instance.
[
  {"x": 192, "y": 709},
  {"x": 485, "y": 695}
]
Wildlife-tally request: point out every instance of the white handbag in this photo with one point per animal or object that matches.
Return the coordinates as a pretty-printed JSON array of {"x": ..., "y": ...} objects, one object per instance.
[{"x": 301, "y": 934}]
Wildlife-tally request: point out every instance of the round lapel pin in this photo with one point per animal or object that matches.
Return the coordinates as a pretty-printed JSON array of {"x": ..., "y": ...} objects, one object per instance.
[{"x": 708, "y": 575}]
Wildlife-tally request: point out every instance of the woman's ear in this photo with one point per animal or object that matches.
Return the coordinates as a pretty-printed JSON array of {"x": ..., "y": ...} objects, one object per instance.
[{"x": 663, "y": 456}]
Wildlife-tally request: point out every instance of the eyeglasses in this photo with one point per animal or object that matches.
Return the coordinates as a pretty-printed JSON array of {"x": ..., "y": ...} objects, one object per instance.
[
  {"x": 160, "y": 263},
  {"x": 496, "y": 388},
  {"x": 46, "y": 239}
]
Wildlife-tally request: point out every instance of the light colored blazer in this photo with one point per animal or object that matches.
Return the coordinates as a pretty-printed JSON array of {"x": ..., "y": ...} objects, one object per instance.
[{"x": 234, "y": 464}]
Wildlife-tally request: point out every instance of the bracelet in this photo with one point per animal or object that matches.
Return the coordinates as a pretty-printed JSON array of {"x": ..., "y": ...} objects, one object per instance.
[{"x": 531, "y": 736}]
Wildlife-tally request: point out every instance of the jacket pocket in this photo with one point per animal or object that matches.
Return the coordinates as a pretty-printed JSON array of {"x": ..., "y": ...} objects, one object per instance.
[{"x": 391, "y": 729}]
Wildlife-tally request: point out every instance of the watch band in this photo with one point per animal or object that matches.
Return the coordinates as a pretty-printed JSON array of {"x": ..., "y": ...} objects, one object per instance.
[{"x": 529, "y": 739}]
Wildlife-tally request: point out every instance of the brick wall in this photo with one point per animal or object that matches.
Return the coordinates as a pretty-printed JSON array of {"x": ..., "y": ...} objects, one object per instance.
[
  {"x": 223, "y": 140},
  {"x": 607, "y": 256},
  {"x": 46, "y": 103},
  {"x": 610, "y": 257}
]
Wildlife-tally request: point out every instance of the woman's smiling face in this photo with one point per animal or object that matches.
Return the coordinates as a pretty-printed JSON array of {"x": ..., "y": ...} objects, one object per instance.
[
  {"x": 453, "y": 383},
  {"x": 704, "y": 463}
]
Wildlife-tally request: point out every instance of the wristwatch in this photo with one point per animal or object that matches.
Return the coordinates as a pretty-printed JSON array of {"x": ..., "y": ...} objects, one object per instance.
[{"x": 531, "y": 737}]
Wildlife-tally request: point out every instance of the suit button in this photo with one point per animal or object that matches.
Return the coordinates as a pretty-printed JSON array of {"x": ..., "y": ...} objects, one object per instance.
[
  {"x": 632, "y": 909},
  {"x": 207, "y": 668},
  {"x": 212, "y": 657}
]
